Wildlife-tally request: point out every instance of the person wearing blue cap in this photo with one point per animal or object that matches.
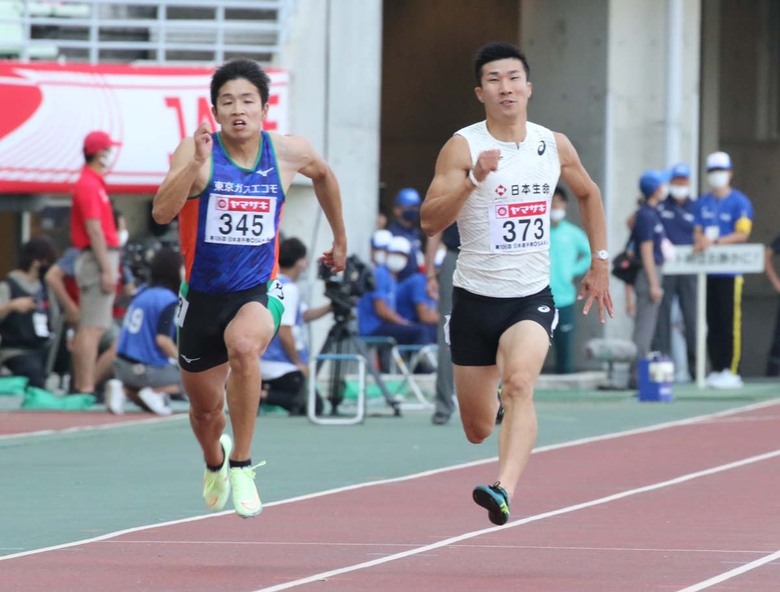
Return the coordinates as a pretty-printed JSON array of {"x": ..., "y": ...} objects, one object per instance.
[
  {"x": 647, "y": 236},
  {"x": 406, "y": 223},
  {"x": 677, "y": 215},
  {"x": 496, "y": 177},
  {"x": 723, "y": 217}
]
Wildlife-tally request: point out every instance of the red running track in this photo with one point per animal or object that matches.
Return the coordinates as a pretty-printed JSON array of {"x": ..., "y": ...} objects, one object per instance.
[{"x": 662, "y": 510}]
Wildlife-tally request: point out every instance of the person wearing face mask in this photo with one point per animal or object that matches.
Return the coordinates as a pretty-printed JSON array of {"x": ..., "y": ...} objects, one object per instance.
[
  {"x": 677, "y": 217},
  {"x": 377, "y": 311},
  {"x": 25, "y": 323},
  {"x": 286, "y": 361},
  {"x": 379, "y": 241},
  {"x": 724, "y": 216},
  {"x": 569, "y": 258},
  {"x": 406, "y": 223},
  {"x": 648, "y": 235},
  {"x": 94, "y": 233}
]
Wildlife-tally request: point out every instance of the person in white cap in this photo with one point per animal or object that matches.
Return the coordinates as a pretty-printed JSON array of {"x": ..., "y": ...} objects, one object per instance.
[
  {"x": 377, "y": 313},
  {"x": 723, "y": 217},
  {"x": 379, "y": 241},
  {"x": 496, "y": 178}
]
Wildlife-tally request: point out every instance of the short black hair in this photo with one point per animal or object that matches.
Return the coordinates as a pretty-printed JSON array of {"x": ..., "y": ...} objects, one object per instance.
[
  {"x": 291, "y": 250},
  {"x": 561, "y": 192},
  {"x": 165, "y": 269},
  {"x": 241, "y": 68},
  {"x": 498, "y": 51},
  {"x": 37, "y": 249}
]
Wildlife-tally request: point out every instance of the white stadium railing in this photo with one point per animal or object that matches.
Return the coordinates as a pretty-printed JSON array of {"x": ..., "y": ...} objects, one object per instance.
[{"x": 146, "y": 31}]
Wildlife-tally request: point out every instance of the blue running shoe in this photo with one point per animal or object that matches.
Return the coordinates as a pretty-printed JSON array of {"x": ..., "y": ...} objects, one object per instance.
[{"x": 495, "y": 500}]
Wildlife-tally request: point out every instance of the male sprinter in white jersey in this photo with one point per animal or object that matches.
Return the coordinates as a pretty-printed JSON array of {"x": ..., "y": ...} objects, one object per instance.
[
  {"x": 496, "y": 178},
  {"x": 228, "y": 189}
]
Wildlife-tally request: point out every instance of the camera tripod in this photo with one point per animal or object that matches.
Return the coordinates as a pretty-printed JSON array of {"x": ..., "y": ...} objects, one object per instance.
[{"x": 338, "y": 341}]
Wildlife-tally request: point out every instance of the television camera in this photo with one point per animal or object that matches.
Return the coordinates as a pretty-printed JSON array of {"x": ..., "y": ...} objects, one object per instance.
[{"x": 345, "y": 288}]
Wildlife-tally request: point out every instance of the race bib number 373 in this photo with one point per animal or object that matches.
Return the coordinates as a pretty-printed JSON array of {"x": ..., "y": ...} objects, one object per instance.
[
  {"x": 240, "y": 220},
  {"x": 521, "y": 226}
]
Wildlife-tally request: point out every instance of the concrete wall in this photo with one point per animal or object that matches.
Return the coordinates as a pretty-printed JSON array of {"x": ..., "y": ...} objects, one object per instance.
[
  {"x": 566, "y": 44},
  {"x": 333, "y": 53},
  {"x": 602, "y": 70}
]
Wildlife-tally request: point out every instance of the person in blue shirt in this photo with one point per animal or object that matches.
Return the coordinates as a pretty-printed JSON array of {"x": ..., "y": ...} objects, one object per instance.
[
  {"x": 406, "y": 223},
  {"x": 647, "y": 236},
  {"x": 146, "y": 348},
  {"x": 677, "y": 217},
  {"x": 723, "y": 217},
  {"x": 285, "y": 362},
  {"x": 377, "y": 311},
  {"x": 415, "y": 304},
  {"x": 569, "y": 258}
]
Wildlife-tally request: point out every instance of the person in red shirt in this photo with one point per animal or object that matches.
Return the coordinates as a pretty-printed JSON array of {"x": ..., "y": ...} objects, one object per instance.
[{"x": 94, "y": 232}]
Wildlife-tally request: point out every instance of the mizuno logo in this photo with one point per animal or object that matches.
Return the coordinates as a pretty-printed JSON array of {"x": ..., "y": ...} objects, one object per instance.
[
  {"x": 265, "y": 172},
  {"x": 189, "y": 360}
]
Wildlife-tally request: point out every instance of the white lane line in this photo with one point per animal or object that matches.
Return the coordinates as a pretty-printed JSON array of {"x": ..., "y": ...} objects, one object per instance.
[
  {"x": 733, "y": 573},
  {"x": 567, "y": 510},
  {"x": 87, "y": 428},
  {"x": 183, "y": 416},
  {"x": 455, "y": 546},
  {"x": 337, "y": 490}
]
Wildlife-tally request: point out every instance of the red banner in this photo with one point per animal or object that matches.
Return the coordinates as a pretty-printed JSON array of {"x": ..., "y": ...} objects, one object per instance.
[{"x": 47, "y": 109}]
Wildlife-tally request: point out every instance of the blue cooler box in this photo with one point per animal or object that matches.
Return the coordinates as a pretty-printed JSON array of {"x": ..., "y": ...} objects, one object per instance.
[{"x": 655, "y": 375}]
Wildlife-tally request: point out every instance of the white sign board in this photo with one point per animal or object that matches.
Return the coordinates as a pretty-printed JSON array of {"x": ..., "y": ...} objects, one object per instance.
[{"x": 716, "y": 259}]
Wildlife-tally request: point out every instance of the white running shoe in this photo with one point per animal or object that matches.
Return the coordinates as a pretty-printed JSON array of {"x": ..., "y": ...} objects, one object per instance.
[
  {"x": 727, "y": 380},
  {"x": 156, "y": 402},
  {"x": 115, "y": 396}
]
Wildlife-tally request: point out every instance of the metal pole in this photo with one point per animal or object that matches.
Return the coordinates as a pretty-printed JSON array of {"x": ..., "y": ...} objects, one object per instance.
[{"x": 701, "y": 327}]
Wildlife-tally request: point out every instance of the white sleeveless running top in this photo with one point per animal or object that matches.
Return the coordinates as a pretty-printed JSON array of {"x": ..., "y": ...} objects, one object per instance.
[{"x": 505, "y": 223}]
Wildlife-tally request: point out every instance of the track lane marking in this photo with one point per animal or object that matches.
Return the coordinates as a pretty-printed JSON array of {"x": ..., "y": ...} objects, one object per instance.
[
  {"x": 732, "y": 573},
  {"x": 560, "y": 511},
  {"x": 356, "y": 486}
]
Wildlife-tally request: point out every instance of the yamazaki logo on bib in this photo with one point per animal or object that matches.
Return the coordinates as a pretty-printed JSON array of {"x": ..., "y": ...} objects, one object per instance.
[
  {"x": 232, "y": 204},
  {"x": 515, "y": 210},
  {"x": 245, "y": 220},
  {"x": 519, "y": 227}
]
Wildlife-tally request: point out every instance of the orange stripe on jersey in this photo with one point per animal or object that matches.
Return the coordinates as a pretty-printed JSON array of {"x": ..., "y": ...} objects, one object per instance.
[
  {"x": 275, "y": 270},
  {"x": 188, "y": 233}
]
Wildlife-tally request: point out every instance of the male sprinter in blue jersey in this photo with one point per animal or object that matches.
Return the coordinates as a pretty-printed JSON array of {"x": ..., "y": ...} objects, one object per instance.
[{"x": 228, "y": 189}]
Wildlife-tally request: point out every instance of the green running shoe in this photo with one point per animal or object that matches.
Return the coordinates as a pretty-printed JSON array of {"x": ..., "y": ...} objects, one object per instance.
[
  {"x": 246, "y": 500},
  {"x": 216, "y": 485},
  {"x": 495, "y": 500}
]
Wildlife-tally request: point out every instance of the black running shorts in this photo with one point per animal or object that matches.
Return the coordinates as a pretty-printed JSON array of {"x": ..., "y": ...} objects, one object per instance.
[
  {"x": 477, "y": 322},
  {"x": 205, "y": 318}
]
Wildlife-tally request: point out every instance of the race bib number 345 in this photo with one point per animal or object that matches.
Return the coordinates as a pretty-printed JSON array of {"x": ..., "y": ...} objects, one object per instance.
[
  {"x": 240, "y": 220},
  {"x": 521, "y": 226}
]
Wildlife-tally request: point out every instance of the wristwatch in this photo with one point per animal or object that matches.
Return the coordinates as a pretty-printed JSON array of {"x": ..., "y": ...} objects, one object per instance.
[{"x": 602, "y": 255}]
